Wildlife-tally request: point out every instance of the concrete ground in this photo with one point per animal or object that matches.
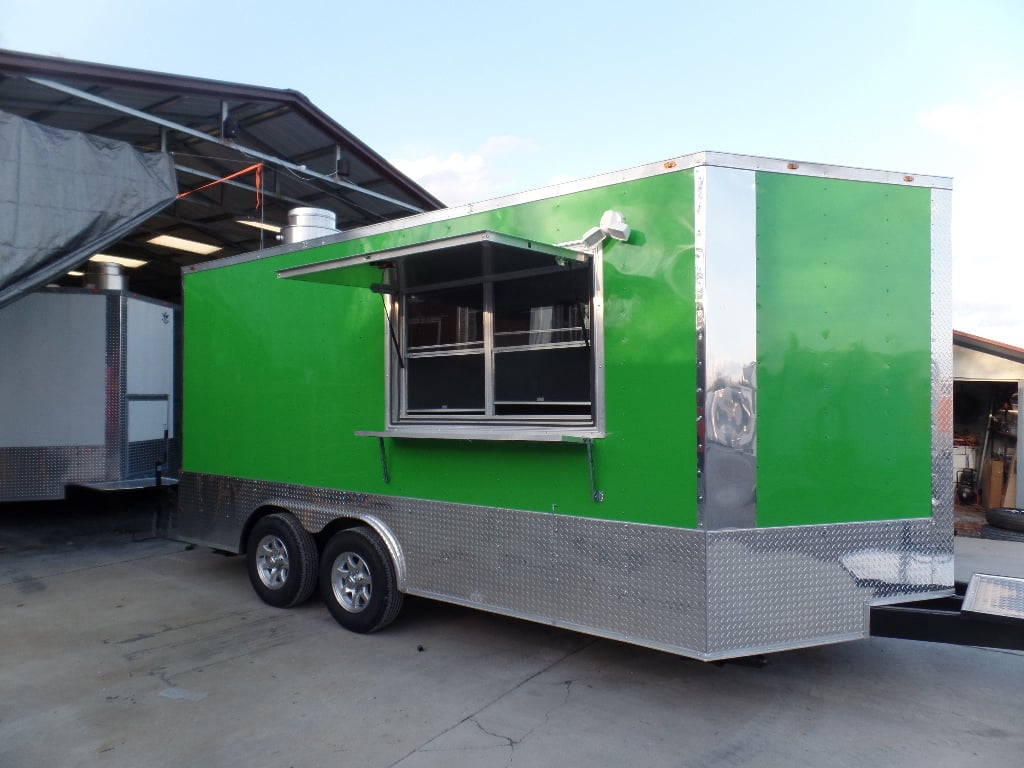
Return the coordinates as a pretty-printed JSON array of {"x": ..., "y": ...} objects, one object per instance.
[{"x": 121, "y": 650}]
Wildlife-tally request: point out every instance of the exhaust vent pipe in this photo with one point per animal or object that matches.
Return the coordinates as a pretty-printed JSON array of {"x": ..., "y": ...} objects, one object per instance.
[
  {"x": 307, "y": 224},
  {"x": 104, "y": 276}
]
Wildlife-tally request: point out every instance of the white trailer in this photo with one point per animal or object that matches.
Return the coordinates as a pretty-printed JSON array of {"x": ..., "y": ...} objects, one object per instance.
[{"x": 87, "y": 392}]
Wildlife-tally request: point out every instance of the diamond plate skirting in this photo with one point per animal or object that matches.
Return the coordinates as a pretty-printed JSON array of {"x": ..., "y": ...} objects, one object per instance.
[
  {"x": 43, "y": 472},
  {"x": 38, "y": 473},
  {"x": 144, "y": 455},
  {"x": 776, "y": 588},
  {"x": 706, "y": 595}
]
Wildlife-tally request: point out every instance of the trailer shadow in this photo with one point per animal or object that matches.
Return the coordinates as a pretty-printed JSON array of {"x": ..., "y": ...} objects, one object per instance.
[{"x": 87, "y": 529}]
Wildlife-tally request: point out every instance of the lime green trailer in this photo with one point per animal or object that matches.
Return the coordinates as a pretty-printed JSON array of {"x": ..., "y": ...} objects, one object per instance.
[{"x": 702, "y": 405}]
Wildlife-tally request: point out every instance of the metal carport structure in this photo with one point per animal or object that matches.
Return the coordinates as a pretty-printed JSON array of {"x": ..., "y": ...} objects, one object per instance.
[{"x": 212, "y": 129}]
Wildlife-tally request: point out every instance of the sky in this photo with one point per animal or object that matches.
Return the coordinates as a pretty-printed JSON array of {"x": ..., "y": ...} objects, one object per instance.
[{"x": 479, "y": 99}]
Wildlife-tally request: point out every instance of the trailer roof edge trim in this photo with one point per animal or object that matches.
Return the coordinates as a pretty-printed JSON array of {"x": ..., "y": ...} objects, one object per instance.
[{"x": 669, "y": 165}]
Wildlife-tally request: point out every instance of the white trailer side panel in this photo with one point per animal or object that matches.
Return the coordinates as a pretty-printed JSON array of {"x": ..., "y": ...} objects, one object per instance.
[{"x": 53, "y": 370}]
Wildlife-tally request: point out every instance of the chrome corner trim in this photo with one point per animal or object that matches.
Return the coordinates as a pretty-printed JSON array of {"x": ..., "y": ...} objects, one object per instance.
[
  {"x": 942, "y": 362},
  {"x": 700, "y": 229},
  {"x": 727, "y": 212}
]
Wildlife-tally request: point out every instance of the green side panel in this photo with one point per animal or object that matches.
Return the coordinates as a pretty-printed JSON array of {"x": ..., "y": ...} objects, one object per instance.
[
  {"x": 280, "y": 374},
  {"x": 843, "y": 347}
]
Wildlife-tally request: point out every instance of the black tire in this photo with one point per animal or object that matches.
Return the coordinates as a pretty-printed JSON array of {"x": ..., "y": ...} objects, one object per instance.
[
  {"x": 282, "y": 560},
  {"x": 1006, "y": 517},
  {"x": 358, "y": 581}
]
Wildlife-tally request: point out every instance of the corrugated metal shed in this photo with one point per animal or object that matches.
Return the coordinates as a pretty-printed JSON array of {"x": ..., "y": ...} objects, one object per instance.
[{"x": 213, "y": 129}]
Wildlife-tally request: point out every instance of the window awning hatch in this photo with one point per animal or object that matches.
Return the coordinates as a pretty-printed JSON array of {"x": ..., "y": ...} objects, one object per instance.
[{"x": 439, "y": 263}]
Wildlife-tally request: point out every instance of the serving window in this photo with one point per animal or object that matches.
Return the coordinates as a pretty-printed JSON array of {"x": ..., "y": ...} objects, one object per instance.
[
  {"x": 507, "y": 347},
  {"x": 489, "y": 336}
]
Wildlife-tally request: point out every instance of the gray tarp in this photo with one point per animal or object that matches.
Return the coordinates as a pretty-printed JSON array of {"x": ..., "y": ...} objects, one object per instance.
[{"x": 66, "y": 195}]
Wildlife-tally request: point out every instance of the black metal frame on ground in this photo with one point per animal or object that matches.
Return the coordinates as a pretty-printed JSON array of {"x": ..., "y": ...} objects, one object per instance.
[{"x": 944, "y": 620}]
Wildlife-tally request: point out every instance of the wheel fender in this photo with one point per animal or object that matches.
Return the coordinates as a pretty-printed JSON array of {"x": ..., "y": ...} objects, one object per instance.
[{"x": 391, "y": 543}]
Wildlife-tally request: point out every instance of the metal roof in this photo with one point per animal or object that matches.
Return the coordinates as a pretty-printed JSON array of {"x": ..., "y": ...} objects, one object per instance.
[
  {"x": 988, "y": 346},
  {"x": 213, "y": 129}
]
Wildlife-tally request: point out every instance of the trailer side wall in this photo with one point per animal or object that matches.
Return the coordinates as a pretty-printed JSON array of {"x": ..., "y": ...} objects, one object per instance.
[{"x": 280, "y": 374}]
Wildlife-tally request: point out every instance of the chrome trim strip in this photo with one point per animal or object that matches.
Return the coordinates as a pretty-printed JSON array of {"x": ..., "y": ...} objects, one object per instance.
[
  {"x": 498, "y": 432},
  {"x": 116, "y": 416},
  {"x": 391, "y": 254},
  {"x": 825, "y": 171}
]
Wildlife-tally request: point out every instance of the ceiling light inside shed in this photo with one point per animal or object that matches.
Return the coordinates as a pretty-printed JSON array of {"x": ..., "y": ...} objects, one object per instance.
[
  {"x": 182, "y": 244},
  {"x": 124, "y": 261},
  {"x": 259, "y": 225}
]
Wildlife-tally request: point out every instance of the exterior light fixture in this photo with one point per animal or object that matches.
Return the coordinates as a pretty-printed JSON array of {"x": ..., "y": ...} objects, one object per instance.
[{"x": 614, "y": 225}]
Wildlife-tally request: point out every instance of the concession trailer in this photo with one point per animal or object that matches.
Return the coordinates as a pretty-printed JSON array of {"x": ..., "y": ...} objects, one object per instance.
[{"x": 702, "y": 405}]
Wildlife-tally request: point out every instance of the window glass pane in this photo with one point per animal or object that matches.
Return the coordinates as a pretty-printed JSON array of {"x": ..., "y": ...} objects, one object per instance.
[
  {"x": 546, "y": 309},
  {"x": 543, "y": 381},
  {"x": 450, "y": 383},
  {"x": 451, "y": 318}
]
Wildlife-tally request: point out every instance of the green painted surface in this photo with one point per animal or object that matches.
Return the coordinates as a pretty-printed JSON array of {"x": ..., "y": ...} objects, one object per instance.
[
  {"x": 843, "y": 340},
  {"x": 279, "y": 374}
]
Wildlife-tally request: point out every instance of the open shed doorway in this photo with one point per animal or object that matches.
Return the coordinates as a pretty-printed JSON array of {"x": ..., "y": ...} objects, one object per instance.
[{"x": 985, "y": 450}]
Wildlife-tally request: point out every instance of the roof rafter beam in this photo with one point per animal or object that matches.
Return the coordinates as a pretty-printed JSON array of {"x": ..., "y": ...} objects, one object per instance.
[
  {"x": 267, "y": 192},
  {"x": 337, "y": 197},
  {"x": 261, "y": 117},
  {"x": 125, "y": 118},
  {"x": 330, "y": 150},
  {"x": 276, "y": 161},
  {"x": 241, "y": 185}
]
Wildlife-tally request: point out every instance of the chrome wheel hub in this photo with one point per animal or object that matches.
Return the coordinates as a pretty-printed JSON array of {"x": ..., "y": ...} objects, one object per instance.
[
  {"x": 351, "y": 581},
  {"x": 272, "y": 562}
]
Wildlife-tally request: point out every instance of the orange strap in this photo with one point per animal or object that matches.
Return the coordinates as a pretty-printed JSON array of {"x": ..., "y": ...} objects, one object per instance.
[{"x": 258, "y": 169}]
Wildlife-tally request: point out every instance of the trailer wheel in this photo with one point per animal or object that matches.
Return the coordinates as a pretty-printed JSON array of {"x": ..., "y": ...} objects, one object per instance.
[
  {"x": 1006, "y": 517},
  {"x": 358, "y": 581},
  {"x": 282, "y": 561}
]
